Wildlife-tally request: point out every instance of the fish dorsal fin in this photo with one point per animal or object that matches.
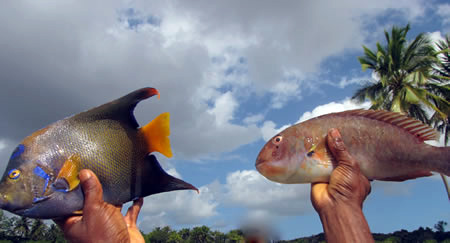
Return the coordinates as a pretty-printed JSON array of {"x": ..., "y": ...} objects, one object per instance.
[
  {"x": 120, "y": 109},
  {"x": 413, "y": 126}
]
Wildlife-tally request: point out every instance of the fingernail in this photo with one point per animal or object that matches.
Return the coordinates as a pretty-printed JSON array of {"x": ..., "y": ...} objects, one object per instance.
[
  {"x": 335, "y": 133},
  {"x": 85, "y": 175},
  {"x": 337, "y": 139}
]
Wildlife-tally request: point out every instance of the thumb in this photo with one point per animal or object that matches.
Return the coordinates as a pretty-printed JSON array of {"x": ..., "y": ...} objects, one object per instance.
[
  {"x": 92, "y": 189},
  {"x": 338, "y": 149}
]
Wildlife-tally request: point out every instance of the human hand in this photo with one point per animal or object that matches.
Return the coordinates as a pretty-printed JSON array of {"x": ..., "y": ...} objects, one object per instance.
[
  {"x": 347, "y": 185},
  {"x": 339, "y": 202},
  {"x": 101, "y": 221}
]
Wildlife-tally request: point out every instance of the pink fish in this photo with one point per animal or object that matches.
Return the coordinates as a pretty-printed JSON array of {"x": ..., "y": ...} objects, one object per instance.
[{"x": 388, "y": 146}]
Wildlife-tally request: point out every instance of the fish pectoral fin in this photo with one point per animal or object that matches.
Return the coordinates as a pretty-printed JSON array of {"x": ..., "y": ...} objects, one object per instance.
[
  {"x": 156, "y": 134},
  {"x": 412, "y": 175},
  {"x": 77, "y": 213},
  {"x": 61, "y": 185},
  {"x": 68, "y": 175}
]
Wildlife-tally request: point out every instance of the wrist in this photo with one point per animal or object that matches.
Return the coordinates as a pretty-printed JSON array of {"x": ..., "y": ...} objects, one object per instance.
[{"x": 345, "y": 223}]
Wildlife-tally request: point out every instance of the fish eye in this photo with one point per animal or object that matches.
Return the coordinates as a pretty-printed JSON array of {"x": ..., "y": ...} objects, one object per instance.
[
  {"x": 14, "y": 174},
  {"x": 277, "y": 140}
]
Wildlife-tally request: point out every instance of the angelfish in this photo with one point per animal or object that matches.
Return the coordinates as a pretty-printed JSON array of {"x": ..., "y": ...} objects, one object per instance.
[
  {"x": 388, "y": 146},
  {"x": 41, "y": 178}
]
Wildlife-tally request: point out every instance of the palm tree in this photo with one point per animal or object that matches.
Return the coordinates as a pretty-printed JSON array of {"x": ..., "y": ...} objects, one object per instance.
[
  {"x": 442, "y": 76},
  {"x": 407, "y": 82}
]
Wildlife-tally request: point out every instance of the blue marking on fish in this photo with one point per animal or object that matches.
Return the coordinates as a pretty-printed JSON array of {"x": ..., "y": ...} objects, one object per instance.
[
  {"x": 18, "y": 151},
  {"x": 41, "y": 173}
]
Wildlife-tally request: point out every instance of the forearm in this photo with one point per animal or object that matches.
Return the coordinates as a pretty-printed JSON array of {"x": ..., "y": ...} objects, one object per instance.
[{"x": 345, "y": 224}]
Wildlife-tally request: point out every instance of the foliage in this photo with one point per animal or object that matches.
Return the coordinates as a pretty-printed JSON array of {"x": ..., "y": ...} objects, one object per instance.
[
  {"x": 419, "y": 235},
  {"x": 440, "y": 226},
  {"x": 39, "y": 231},
  {"x": 15, "y": 229},
  {"x": 201, "y": 235},
  {"x": 442, "y": 74},
  {"x": 412, "y": 78}
]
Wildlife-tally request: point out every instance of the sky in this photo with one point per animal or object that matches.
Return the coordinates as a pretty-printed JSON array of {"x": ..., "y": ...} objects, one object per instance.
[{"x": 232, "y": 74}]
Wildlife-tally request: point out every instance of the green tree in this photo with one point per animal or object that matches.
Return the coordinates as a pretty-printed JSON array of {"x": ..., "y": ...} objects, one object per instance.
[
  {"x": 235, "y": 236},
  {"x": 22, "y": 227},
  {"x": 38, "y": 230},
  {"x": 5, "y": 225},
  {"x": 54, "y": 234},
  {"x": 219, "y": 237},
  {"x": 174, "y": 237},
  {"x": 184, "y": 233},
  {"x": 442, "y": 75},
  {"x": 159, "y": 235},
  {"x": 201, "y": 235},
  {"x": 406, "y": 82},
  {"x": 440, "y": 226}
]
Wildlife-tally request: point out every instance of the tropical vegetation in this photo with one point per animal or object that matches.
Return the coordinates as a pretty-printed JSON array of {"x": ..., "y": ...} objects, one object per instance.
[
  {"x": 410, "y": 77},
  {"x": 21, "y": 229}
]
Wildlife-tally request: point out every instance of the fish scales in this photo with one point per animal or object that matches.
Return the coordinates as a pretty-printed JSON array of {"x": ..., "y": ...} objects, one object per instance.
[
  {"x": 41, "y": 178},
  {"x": 377, "y": 145},
  {"x": 388, "y": 146}
]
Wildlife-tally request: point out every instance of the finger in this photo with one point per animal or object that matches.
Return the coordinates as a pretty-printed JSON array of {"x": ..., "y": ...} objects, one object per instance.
[
  {"x": 67, "y": 224},
  {"x": 119, "y": 207},
  {"x": 133, "y": 212},
  {"x": 93, "y": 192},
  {"x": 338, "y": 149}
]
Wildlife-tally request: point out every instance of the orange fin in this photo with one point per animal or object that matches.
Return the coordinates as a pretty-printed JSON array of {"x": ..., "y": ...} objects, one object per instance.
[
  {"x": 411, "y": 125},
  {"x": 157, "y": 133},
  {"x": 69, "y": 171},
  {"x": 320, "y": 153},
  {"x": 413, "y": 175},
  {"x": 77, "y": 213}
]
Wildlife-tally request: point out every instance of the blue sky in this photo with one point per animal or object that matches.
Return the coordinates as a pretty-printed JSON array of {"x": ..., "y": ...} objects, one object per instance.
[{"x": 231, "y": 74}]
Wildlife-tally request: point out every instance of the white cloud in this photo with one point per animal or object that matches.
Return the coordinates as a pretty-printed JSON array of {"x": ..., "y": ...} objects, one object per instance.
[
  {"x": 91, "y": 56},
  {"x": 246, "y": 188},
  {"x": 79, "y": 55},
  {"x": 224, "y": 108},
  {"x": 268, "y": 129},
  {"x": 344, "y": 105},
  {"x": 6, "y": 149},
  {"x": 179, "y": 207},
  {"x": 252, "y": 119},
  {"x": 443, "y": 10},
  {"x": 2, "y": 145},
  {"x": 284, "y": 91},
  {"x": 345, "y": 81}
]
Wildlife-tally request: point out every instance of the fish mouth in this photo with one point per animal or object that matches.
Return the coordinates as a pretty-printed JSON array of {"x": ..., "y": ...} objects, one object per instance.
[
  {"x": 11, "y": 208},
  {"x": 259, "y": 161}
]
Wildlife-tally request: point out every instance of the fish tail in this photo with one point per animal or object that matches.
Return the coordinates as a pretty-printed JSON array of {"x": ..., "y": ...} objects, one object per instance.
[
  {"x": 157, "y": 133},
  {"x": 444, "y": 153}
]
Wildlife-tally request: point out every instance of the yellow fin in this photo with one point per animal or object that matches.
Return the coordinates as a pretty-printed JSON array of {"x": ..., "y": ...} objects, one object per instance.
[
  {"x": 78, "y": 212},
  {"x": 157, "y": 133},
  {"x": 69, "y": 171}
]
